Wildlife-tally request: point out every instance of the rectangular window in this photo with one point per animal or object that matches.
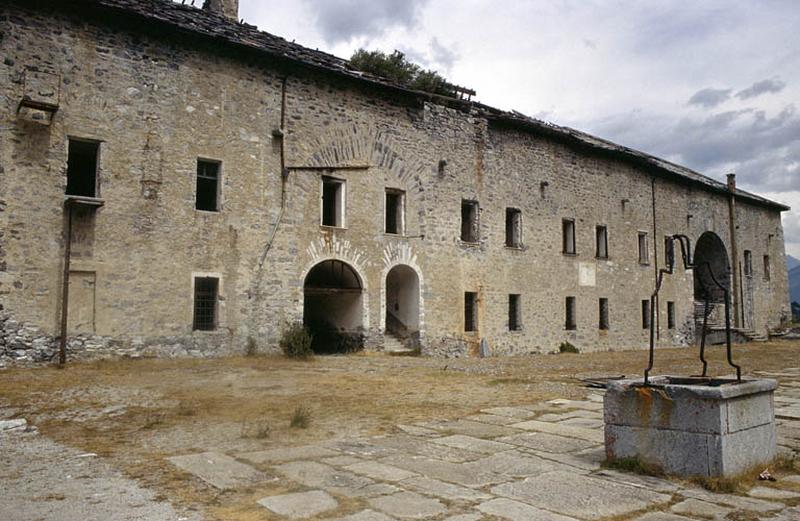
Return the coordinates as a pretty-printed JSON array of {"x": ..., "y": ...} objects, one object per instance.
[
  {"x": 670, "y": 315},
  {"x": 568, "y": 236},
  {"x": 766, "y": 267},
  {"x": 205, "y": 303},
  {"x": 601, "y": 241},
  {"x": 514, "y": 322},
  {"x": 645, "y": 314},
  {"x": 603, "y": 308},
  {"x": 333, "y": 197},
  {"x": 669, "y": 251},
  {"x": 469, "y": 221},
  {"x": 644, "y": 254},
  {"x": 570, "y": 322},
  {"x": 82, "y": 159},
  {"x": 513, "y": 228},
  {"x": 395, "y": 211},
  {"x": 470, "y": 311},
  {"x": 207, "y": 198},
  {"x": 748, "y": 263}
]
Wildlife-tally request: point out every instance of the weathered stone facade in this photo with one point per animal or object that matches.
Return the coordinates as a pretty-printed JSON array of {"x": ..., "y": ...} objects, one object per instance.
[{"x": 157, "y": 97}]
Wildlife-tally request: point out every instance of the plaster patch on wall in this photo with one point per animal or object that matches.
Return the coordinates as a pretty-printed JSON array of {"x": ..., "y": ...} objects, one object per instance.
[{"x": 587, "y": 274}]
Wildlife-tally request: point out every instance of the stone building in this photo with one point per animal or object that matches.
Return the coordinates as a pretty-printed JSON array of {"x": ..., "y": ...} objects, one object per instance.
[{"x": 189, "y": 184}]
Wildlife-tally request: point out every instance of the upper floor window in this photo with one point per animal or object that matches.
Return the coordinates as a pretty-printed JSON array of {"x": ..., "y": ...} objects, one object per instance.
[
  {"x": 748, "y": 263},
  {"x": 644, "y": 253},
  {"x": 601, "y": 242},
  {"x": 669, "y": 251},
  {"x": 82, "y": 158},
  {"x": 513, "y": 228},
  {"x": 395, "y": 211},
  {"x": 207, "y": 197},
  {"x": 568, "y": 236},
  {"x": 766, "y": 267},
  {"x": 469, "y": 221},
  {"x": 333, "y": 202}
]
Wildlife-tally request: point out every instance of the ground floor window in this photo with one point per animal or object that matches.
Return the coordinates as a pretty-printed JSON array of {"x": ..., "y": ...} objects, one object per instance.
[
  {"x": 570, "y": 322},
  {"x": 645, "y": 314},
  {"x": 670, "y": 315},
  {"x": 470, "y": 311},
  {"x": 205, "y": 303},
  {"x": 514, "y": 321},
  {"x": 603, "y": 305}
]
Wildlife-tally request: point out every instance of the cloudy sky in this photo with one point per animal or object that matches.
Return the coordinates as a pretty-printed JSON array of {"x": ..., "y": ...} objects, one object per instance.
[{"x": 712, "y": 84}]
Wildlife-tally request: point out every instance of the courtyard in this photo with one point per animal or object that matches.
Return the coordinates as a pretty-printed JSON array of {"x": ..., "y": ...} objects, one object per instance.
[{"x": 361, "y": 437}]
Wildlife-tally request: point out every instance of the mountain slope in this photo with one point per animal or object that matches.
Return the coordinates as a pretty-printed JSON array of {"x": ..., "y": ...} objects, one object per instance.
[
  {"x": 791, "y": 262},
  {"x": 794, "y": 284}
]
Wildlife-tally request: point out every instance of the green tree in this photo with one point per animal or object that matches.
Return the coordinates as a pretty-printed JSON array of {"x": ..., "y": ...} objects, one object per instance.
[{"x": 397, "y": 67}]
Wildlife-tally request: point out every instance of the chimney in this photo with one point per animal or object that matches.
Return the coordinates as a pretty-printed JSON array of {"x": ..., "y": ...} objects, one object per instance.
[
  {"x": 731, "y": 183},
  {"x": 227, "y": 8}
]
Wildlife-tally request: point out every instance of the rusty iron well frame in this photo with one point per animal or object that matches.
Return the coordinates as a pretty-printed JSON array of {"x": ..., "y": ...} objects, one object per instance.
[{"x": 686, "y": 255}]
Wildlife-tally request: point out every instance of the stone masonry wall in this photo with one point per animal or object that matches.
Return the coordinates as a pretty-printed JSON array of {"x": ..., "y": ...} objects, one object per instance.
[{"x": 158, "y": 102}]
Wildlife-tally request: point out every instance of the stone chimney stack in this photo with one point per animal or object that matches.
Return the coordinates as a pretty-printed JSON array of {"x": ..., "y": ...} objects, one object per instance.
[
  {"x": 227, "y": 8},
  {"x": 731, "y": 182}
]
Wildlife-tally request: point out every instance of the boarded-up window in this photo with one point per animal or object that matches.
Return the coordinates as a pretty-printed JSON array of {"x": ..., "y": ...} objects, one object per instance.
[
  {"x": 513, "y": 228},
  {"x": 207, "y": 198},
  {"x": 568, "y": 236},
  {"x": 570, "y": 318},
  {"x": 601, "y": 241},
  {"x": 603, "y": 311},
  {"x": 395, "y": 211},
  {"x": 205, "y": 303},
  {"x": 670, "y": 315},
  {"x": 514, "y": 322},
  {"x": 469, "y": 221},
  {"x": 333, "y": 201},
  {"x": 645, "y": 314},
  {"x": 82, "y": 168},
  {"x": 644, "y": 253},
  {"x": 470, "y": 311}
]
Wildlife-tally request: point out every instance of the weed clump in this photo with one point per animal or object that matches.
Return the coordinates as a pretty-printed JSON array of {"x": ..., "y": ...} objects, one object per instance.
[
  {"x": 296, "y": 342},
  {"x": 566, "y": 347},
  {"x": 301, "y": 418}
]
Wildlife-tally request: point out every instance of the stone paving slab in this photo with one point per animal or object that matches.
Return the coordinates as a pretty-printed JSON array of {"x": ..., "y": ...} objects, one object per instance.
[
  {"x": 465, "y": 517},
  {"x": 444, "y": 471},
  {"x": 513, "y": 412},
  {"x": 288, "y": 454},
  {"x": 341, "y": 461},
  {"x": 584, "y": 461},
  {"x": 661, "y": 516},
  {"x": 471, "y": 428},
  {"x": 425, "y": 447},
  {"x": 219, "y": 470},
  {"x": 360, "y": 447},
  {"x": 589, "y": 405},
  {"x": 434, "y": 487},
  {"x": 380, "y": 471},
  {"x": 772, "y": 493},
  {"x": 738, "y": 502},
  {"x": 417, "y": 430},
  {"x": 365, "y": 515},
  {"x": 698, "y": 508},
  {"x": 459, "y": 441},
  {"x": 299, "y": 505},
  {"x": 514, "y": 464},
  {"x": 408, "y": 505},
  {"x": 493, "y": 419},
  {"x": 317, "y": 475},
  {"x": 580, "y": 496},
  {"x": 595, "y": 436},
  {"x": 516, "y": 511},
  {"x": 638, "y": 480},
  {"x": 583, "y": 423},
  {"x": 581, "y": 413},
  {"x": 546, "y": 442}
]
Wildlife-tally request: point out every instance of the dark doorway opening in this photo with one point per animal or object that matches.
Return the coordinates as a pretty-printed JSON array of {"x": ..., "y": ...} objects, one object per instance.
[{"x": 333, "y": 307}]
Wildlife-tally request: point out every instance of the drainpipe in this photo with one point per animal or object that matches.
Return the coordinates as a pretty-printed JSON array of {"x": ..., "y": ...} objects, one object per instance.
[
  {"x": 734, "y": 250},
  {"x": 62, "y": 344},
  {"x": 655, "y": 256}
]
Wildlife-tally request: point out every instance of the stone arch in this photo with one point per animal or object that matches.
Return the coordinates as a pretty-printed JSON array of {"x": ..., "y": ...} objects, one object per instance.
[
  {"x": 402, "y": 255},
  {"x": 711, "y": 255}
]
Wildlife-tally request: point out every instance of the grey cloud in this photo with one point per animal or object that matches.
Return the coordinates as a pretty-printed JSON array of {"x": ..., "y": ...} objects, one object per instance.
[
  {"x": 709, "y": 97},
  {"x": 343, "y": 20},
  {"x": 436, "y": 57},
  {"x": 443, "y": 56},
  {"x": 761, "y": 87}
]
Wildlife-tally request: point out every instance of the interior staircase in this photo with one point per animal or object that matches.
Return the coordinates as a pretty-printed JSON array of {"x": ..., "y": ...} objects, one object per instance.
[
  {"x": 716, "y": 325},
  {"x": 394, "y": 344}
]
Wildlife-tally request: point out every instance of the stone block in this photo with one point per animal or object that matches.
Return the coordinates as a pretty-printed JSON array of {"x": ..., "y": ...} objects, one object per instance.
[
  {"x": 219, "y": 470},
  {"x": 408, "y": 505},
  {"x": 517, "y": 511},
  {"x": 299, "y": 505}
]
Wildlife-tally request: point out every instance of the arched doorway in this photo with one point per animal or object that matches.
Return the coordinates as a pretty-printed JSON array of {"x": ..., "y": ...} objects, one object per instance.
[
  {"x": 333, "y": 307},
  {"x": 402, "y": 302},
  {"x": 710, "y": 255}
]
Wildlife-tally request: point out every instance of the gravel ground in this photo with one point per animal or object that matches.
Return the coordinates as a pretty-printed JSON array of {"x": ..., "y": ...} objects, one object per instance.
[{"x": 42, "y": 480}]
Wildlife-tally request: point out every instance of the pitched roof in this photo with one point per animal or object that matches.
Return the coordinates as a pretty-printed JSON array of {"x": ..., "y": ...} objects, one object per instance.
[{"x": 209, "y": 24}]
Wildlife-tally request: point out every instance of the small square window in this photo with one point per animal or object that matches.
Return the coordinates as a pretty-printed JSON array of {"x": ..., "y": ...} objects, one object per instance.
[
  {"x": 470, "y": 311},
  {"x": 570, "y": 321},
  {"x": 568, "y": 236},
  {"x": 82, "y": 158},
  {"x": 670, "y": 315},
  {"x": 205, "y": 303},
  {"x": 333, "y": 201},
  {"x": 513, "y": 228},
  {"x": 748, "y": 263},
  {"x": 469, "y": 221},
  {"x": 603, "y": 308},
  {"x": 644, "y": 253},
  {"x": 395, "y": 211},
  {"x": 207, "y": 197},
  {"x": 601, "y": 242},
  {"x": 645, "y": 314},
  {"x": 514, "y": 319}
]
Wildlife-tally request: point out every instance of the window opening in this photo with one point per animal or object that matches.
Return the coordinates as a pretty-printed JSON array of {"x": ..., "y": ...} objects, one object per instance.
[
  {"x": 514, "y": 322},
  {"x": 469, "y": 221},
  {"x": 603, "y": 308},
  {"x": 207, "y": 198},
  {"x": 395, "y": 211},
  {"x": 568, "y": 236},
  {"x": 470, "y": 311},
  {"x": 82, "y": 168},
  {"x": 513, "y": 228},
  {"x": 205, "y": 303},
  {"x": 601, "y": 240},
  {"x": 570, "y": 322}
]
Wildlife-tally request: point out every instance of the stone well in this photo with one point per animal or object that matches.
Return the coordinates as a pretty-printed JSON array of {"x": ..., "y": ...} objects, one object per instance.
[{"x": 692, "y": 426}]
